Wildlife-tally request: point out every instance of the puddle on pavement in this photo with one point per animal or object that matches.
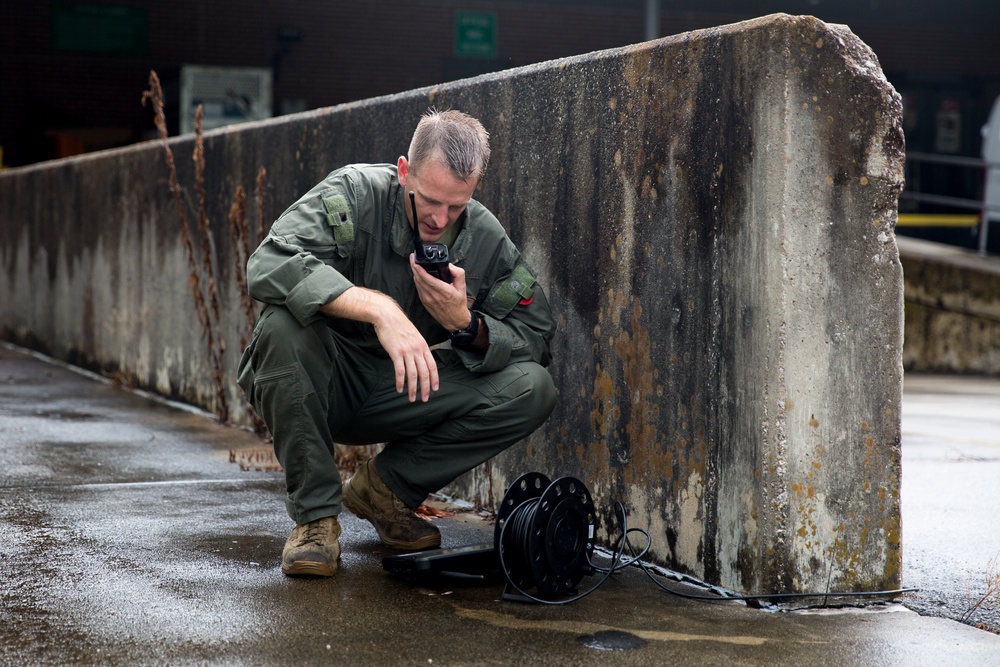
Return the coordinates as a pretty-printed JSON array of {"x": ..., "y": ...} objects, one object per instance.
[
  {"x": 255, "y": 551},
  {"x": 611, "y": 640},
  {"x": 64, "y": 415}
]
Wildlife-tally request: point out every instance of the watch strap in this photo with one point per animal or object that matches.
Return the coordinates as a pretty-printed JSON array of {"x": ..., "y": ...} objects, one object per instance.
[{"x": 467, "y": 335}]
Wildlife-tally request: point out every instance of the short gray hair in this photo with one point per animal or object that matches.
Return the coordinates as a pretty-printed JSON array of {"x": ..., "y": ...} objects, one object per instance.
[{"x": 463, "y": 142}]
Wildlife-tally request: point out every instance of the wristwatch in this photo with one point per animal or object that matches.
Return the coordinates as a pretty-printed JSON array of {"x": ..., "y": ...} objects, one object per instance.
[{"x": 465, "y": 336}]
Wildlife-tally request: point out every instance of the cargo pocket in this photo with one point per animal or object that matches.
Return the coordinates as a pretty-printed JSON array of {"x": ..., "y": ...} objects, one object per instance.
[
  {"x": 277, "y": 397},
  {"x": 500, "y": 380},
  {"x": 244, "y": 371}
]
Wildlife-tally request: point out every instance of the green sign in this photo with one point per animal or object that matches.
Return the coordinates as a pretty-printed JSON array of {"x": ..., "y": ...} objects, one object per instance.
[
  {"x": 475, "y": 35},
  {"x": 81, "y": 27}
]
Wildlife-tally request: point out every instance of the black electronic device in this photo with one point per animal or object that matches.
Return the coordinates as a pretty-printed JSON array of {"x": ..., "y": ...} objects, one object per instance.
[
  {"x": 431, "y": 257},
  {"x": 476, "y": 562}
]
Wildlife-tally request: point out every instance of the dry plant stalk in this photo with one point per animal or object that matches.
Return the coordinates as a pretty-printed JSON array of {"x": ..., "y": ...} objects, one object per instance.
[
  {"x": 216, "y": 345},
  {"x": 242, "y": 247},
  {"x": 155, "y": 96},
  {"x": 216, "y": 352},
  {"x": 261, "y": 193},
  {"x": 238, "y": 226},
  {"x": 990, "y": 597}
]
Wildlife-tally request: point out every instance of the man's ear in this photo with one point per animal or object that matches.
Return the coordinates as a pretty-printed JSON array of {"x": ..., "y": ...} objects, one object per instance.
[{"x": 402, "y": 170}]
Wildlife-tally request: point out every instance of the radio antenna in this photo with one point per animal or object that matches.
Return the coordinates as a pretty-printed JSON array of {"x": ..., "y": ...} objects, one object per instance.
[{"x": 417, "y": 242}]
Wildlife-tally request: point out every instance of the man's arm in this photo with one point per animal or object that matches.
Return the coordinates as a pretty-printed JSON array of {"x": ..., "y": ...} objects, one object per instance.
[
  {"x": 411, "y": 357},
  {"x": 517, "y": 317},
  {"x": 513, "y": 326},
  {"x": 285, "y": 270}
]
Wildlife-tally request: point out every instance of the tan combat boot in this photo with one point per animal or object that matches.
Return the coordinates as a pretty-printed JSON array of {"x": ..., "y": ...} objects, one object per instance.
[
  {"x": 312, "y": 549},
  {"x": 398, "y": 527}
]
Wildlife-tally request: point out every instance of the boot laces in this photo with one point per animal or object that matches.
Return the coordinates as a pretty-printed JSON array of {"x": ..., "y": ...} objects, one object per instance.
[
  {"x": 316, "y": 533},
  {"x": 405, "y": 514}
]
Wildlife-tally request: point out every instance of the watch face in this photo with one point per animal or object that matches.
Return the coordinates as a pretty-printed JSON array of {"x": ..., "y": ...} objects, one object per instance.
[{"x": 463, "y": 337}]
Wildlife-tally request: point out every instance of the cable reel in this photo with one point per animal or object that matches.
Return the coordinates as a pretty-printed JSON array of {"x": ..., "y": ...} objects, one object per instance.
[{"x": 544, "y": 535}]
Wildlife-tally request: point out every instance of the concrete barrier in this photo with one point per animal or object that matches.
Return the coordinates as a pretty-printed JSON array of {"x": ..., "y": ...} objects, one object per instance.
[
  {"x": 952, "y": 298},
  {"x": 712, "y": 216}
]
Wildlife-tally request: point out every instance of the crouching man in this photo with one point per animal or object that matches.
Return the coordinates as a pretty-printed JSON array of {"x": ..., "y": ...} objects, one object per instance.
[{"x": 343, "y": 350}]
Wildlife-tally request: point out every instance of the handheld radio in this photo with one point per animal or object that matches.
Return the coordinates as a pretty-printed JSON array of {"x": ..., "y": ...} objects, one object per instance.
[{"x": 432, "y": 257}]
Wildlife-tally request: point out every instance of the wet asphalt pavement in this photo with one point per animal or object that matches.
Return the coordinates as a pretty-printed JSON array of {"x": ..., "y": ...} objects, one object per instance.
[
  {"x": 951, "y": 497},
  {"x": 128, "y": 538}
]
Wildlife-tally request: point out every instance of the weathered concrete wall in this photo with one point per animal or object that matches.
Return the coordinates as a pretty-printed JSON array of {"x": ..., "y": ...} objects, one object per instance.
[
  {"x": 952, "y": 309},
  {"x": 712, "y": 215}
]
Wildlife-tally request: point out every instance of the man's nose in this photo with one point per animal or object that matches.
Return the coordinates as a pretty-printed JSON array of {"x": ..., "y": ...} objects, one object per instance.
[{"x": 440, "y": 216}]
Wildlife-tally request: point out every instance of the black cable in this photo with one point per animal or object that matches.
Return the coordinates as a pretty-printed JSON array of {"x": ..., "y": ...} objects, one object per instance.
[{"x": 724, "y": 598}]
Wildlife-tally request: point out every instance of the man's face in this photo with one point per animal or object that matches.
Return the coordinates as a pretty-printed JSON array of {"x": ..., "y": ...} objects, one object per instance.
[{"x": 441, "y": 196}]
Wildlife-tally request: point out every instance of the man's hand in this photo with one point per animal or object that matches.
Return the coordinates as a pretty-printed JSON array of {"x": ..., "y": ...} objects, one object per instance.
[
  {"x": 446, "y": 302},
  {"x": 411, "y": 358}
]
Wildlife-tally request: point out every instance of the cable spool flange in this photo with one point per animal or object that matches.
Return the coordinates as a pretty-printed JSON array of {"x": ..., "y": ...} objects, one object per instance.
[
  {"x": 525, "y": 488},
  {"x": 545, "y": 534}
]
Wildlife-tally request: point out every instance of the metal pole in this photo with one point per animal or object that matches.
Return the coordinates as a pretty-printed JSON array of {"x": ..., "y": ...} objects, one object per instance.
[
  {"x": 652, "y": 19},
  {"x": 984, "y": 227}
]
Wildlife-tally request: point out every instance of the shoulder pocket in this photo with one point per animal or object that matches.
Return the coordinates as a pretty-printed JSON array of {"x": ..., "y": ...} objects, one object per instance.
[
  {"x": 516, "y": 288},
  {"x": 338, "y": 217}
]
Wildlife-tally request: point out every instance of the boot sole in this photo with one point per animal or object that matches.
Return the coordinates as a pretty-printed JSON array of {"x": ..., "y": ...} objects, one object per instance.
[
  {"x": 308, "y": 568},
  {"x": 360, "y": 510}
]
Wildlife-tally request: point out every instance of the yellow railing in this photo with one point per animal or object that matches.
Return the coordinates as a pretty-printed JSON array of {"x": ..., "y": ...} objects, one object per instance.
[{"x": 937, "y": 220}]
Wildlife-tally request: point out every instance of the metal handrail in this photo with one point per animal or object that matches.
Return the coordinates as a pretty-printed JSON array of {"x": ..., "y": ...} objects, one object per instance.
[
  {"x": 957, "y": 202},
  {"x": 944, "y": 200},
  {"x": 956, "y": 160}
]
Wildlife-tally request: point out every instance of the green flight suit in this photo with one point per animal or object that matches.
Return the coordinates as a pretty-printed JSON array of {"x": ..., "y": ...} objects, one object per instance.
[{"x": 316, "y": 380}]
